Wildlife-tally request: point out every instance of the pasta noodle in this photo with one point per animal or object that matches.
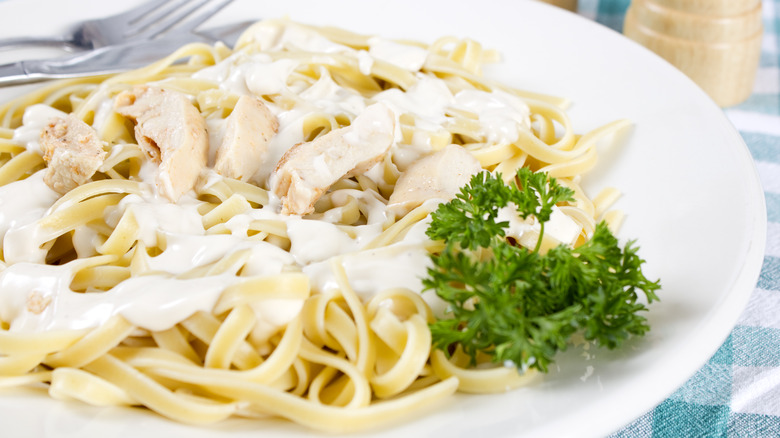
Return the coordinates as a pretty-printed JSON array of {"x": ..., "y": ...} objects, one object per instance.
[{"x": 226, "y": 299}]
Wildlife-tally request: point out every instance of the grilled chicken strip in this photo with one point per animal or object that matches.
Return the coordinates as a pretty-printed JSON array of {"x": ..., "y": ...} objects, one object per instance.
[
  {"x": 308, "y": 169},
  {"x": 244, "y": 147},
  {"x": 436, "y": 176},
  {"x": 72, "y": 151},
  {"x": 172, "y": 132}
]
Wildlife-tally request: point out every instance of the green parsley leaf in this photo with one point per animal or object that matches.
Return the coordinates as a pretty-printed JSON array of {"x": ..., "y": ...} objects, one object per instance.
[
  {"x": 470, "y": 218},
  {"x": 536, "y": 197},
  {"x": 519, "y": 305}
]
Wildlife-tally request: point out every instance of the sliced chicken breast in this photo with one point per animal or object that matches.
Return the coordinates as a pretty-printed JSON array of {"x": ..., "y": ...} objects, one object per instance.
[
  {"x": 436, "y": 176},
  {"x": 244, "y": 147},
  {"x": 307, "y": 170},
  {"x": 172, "y": 132},
  {"x": 72, "y": 151}
]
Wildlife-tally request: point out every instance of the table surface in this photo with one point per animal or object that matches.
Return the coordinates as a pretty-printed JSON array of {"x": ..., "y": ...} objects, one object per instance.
[{"x": 737, "y": 392}]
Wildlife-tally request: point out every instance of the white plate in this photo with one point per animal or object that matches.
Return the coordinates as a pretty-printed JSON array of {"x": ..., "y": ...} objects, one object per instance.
[{"x": 691, "y": 193}]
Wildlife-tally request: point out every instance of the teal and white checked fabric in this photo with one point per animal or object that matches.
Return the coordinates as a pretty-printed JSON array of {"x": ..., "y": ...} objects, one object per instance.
[{"x": 737, "y": 393}]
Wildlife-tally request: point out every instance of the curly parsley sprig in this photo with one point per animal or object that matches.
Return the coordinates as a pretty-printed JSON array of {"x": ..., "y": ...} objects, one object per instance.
[{"x": 520, "y": 305}]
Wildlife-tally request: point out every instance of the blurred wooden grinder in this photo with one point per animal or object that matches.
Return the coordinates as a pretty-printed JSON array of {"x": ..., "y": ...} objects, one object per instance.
[{"x": 717, "y": 43}]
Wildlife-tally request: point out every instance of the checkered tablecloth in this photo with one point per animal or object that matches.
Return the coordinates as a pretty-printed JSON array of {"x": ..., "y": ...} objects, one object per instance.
[{"x": 737, "y": 393}]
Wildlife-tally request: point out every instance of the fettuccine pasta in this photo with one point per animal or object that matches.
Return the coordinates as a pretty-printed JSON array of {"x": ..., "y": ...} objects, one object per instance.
[{"x": 241, "y": 232}]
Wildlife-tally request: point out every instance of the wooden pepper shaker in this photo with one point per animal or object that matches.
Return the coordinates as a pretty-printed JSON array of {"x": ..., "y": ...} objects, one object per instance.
[{"x": 717, "y": 43}]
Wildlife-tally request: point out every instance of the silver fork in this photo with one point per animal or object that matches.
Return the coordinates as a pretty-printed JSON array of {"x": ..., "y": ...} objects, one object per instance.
[
  {"x": 116, "y": 57},
  {"x": 146, "y": 21}
]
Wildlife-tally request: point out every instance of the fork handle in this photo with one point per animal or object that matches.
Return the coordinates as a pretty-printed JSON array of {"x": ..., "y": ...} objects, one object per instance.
[
  {"x": 15, "y": 74},
  {"x": 43, "y": 41}
]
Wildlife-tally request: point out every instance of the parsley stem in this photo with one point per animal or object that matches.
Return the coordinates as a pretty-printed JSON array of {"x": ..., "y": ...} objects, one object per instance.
[{"x": 541, "y": 236}]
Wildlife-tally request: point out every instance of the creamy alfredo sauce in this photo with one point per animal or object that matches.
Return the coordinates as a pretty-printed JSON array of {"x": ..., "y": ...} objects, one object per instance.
[{"x": 37, "y": 297}]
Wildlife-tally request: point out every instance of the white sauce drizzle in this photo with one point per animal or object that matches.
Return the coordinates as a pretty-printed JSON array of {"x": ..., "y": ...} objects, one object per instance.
[
  {"x": 23, "y": 202},
  {"x": 146, "y": 301},
  {"x": 402, "y": 55},
  {"x": 500, "y": 113},
  {"x": 37, "y": 297},
  {"x": 35, "y": 118}
]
